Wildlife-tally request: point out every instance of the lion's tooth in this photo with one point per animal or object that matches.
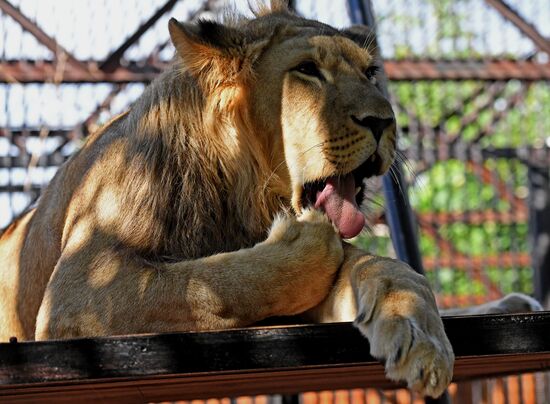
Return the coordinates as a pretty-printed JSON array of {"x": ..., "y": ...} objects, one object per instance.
[
  {"x": 357, "y": 190},
  {"x": 372, "y": 158}
]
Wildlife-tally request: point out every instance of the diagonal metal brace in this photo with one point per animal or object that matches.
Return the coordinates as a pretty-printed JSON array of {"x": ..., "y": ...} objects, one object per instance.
[
  {"x": 527, "y": 29},
  {"x": 39, "y": 34},
  {"x": 113, "y": 60}
]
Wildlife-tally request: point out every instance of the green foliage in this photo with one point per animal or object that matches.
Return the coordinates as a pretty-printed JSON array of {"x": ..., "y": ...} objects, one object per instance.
[
  {"x": 450, "y": 185},
  {"x": 438, "y": 114},
  {"x": 380, "y": 245},
  {"x": 450, "y": 282},
  {"x": 512, "y": 279}
]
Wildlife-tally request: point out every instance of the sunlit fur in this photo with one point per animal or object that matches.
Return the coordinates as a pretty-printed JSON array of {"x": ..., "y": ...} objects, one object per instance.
[
  {"x": 205, "y": 159},
  {"x": 185, "y": 212}
]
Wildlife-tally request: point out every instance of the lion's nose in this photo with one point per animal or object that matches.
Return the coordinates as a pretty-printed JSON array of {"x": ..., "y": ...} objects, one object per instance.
[{"x": 376, "y": 125}]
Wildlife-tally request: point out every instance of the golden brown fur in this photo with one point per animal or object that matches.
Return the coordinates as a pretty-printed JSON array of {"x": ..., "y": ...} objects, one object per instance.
[{"x": 189, "y": 213}]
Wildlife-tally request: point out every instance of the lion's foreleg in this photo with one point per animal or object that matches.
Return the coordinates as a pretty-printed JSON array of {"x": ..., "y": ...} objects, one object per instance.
[
  {"x": 340, "y": 304},
  {"x": 98, "y": 290},
  {"x": 395, "y": 309}
]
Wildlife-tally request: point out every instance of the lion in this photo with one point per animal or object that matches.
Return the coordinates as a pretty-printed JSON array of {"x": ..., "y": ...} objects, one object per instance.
[{"x": 224, "y": 197}]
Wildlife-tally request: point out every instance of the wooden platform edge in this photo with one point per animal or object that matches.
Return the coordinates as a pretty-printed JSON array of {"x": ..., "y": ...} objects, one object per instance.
[{"x": 251, "y": 361}]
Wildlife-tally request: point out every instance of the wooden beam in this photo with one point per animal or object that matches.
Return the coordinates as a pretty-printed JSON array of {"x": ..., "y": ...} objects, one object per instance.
[
  {"x": 261, "y": 360},
  {"x": 527, "y": 29},
  {"x": 39, "y": 34}
]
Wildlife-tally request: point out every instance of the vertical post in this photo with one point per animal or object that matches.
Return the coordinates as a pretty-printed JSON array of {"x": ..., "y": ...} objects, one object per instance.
[
  {"x": 398, "y": 210},
  {"x": 539, "y": 226},
  {"x": 290, "y": 399},
  {"x": 403, "y": 228}
]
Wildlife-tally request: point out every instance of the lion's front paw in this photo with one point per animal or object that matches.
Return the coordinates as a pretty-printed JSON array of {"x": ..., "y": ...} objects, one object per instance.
[
  {"x": 421, "y": 357},
  {"x": 305, "y": 253},
  {"x": 397, "y": 313},
  {"x": 310, "y": 236}
]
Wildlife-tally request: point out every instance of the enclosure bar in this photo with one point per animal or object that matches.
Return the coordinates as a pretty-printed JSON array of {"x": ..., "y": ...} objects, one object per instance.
[
  {"x": 39, "y": 34},
  {"x": 527, "y": 29},
  {"x": 113, "y": 60}
]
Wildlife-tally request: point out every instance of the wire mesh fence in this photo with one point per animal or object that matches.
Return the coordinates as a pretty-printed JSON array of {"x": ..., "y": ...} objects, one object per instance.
[
  {"x": 470, "y": 135},
  {"x": 469, "y": 84}
]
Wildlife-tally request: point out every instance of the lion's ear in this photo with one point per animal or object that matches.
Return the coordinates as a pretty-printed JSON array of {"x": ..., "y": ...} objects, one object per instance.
[
  {"x": 210, "y": 48},
  {"x": 204, "y": 34}
]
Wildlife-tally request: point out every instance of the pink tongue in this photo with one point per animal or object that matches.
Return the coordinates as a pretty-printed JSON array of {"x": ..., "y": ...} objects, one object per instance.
[{"x": 337, "y": 199}]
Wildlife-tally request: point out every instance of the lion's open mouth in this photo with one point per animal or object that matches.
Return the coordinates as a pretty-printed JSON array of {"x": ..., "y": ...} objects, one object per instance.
[{"x": 340, "y": 197}]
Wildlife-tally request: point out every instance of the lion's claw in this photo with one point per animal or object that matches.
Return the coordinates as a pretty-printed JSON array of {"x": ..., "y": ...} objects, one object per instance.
[{"x": 424, "y": 361}]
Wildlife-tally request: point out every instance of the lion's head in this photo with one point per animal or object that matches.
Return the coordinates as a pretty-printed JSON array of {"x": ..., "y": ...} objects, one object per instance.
[{"x": 307, "y": 93}]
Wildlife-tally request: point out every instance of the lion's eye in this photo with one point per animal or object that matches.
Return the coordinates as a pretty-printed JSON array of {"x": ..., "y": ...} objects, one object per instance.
[
  {"x": 370, "y": 72},
  {"x": 309, "y": 69}
]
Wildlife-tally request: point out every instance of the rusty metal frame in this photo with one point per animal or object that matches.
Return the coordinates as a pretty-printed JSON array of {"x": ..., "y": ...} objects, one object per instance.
[
  {"x": 396, "y": 70},
  {"x": 526, "y": 29},
  {"x": 39, "y": 34},
  {"x": 113, "y": 60}
]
